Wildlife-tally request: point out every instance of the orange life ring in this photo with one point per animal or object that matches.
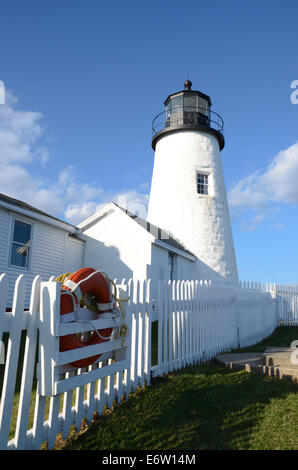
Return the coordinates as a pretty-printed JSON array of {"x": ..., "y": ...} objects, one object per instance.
[{"x": 98, "y": 286}]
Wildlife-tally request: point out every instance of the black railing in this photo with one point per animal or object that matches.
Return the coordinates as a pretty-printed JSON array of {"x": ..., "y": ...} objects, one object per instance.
[{"x": 187, "y": 116}]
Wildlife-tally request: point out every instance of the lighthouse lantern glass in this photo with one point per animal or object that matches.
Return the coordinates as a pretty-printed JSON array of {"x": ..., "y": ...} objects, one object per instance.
[
  {"x": 177, "y": 104},
  {"x": 203, "y": 106},
  {"x": 190, "y": 102},
  {"x": 187, "y": 108}
]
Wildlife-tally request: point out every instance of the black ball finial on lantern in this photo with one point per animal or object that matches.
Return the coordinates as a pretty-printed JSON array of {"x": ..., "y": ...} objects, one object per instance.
[{"x": 187, "y": 85}]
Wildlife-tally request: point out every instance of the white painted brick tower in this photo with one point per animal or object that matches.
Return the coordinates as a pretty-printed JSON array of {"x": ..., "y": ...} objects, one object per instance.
[{"x": 188, "y": 195}]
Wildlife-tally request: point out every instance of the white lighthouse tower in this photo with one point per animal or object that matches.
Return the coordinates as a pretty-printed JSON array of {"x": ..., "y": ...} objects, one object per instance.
[{"x": 188, "y": 195}]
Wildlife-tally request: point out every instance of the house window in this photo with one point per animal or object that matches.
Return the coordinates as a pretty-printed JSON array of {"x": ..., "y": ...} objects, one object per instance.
[
  {"x": 21, "y": 244},
  {"x": 172, "y": 258},
  {"x": 202, "y": 183}
]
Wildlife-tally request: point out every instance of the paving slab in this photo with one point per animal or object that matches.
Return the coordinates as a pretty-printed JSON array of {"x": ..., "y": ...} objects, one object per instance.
[{"x": 253, "y": 358}]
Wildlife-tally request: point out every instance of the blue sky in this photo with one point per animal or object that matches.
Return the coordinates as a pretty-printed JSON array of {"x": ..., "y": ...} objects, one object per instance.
[{"x": 84, "y": 80}]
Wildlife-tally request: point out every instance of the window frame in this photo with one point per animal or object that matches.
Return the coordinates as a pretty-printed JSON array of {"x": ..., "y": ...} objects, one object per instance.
[
  {"x": 14, "y": 218},
  {"x": 207, "y": 174},
  {"x": 172, "y": 259}
]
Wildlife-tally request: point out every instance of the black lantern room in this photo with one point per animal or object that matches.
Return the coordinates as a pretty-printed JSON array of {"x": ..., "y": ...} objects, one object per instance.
[{"x": 187, "y": 110}]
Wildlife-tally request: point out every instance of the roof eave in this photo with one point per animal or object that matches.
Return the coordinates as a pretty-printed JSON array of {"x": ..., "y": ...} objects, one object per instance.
[
  {"x": 41, "y": 218},
  {"x": 173, "y": 249}
]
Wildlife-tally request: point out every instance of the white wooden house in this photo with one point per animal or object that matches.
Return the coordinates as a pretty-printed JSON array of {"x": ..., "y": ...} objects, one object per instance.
[{"x": 35, "y": 243}]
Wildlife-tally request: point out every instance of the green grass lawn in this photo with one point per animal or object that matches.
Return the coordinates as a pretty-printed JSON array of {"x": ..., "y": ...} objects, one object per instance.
[{"x": 205, "y": 407}]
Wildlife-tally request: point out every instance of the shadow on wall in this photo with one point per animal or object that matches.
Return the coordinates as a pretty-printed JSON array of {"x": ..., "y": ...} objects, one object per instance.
[
  {"x": 165, "y": 267},
  {"x": 105, "y": 258}
]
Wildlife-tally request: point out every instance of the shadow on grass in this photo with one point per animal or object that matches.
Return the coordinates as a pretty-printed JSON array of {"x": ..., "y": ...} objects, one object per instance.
[
  {"x": 198, "y": 408},
  {"x": 281, "y": 337}
]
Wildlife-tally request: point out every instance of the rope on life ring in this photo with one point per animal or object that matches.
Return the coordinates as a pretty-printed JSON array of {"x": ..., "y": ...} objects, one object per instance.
[{"x": 78, "y": 298}]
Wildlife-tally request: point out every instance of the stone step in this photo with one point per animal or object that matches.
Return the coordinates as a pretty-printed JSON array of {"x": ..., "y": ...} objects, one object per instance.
[
  {"x": 284, "y": 373},
  {"x": 281, "y": 372},
  {"x": 279, "y": 357},
  {"x": 253, "y": 362}
]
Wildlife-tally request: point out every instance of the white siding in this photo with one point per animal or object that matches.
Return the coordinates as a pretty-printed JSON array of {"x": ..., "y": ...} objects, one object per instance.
[
  {"x": 74, "y": 254},
  {"x": 4, "y": 234},
  {"x": 47, "y": 252},
  {"x": 118, "y": 246}
]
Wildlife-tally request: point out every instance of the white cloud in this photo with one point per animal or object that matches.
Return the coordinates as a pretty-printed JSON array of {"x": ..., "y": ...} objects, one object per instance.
[
  {"x": 277, "y": 184},
  {"x": 132, "y": 200},
  {"x": 78, "y": 212},
  {"x": 67, "y": 196},
  {"x": 260, "y": 191}
]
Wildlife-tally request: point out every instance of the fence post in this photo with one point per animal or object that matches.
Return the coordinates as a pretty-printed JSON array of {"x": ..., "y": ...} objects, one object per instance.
[{"x": 48, "y": 343}]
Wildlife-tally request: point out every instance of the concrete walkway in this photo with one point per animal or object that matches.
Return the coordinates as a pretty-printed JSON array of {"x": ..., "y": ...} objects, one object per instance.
[{"x": 274, "y": 362}]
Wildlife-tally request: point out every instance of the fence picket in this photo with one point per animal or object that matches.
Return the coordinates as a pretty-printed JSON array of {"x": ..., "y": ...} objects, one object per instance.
[
  {"x": 10, "y": 373},
  {"x": 179, "y": 328},
  {"x": 67, "y": 411},
  {"x": 53, "y": 427},
  {"x": 148, "y": 333},
  {"x": 142, "y": 330},
  {"x": 38, "y": 434},
  {"x": 182, "y": 315},
  {"x": 127, "y": 372},
  {"x": 135, "y": 335},
  {"x": 160, "y": 328},
  {"x": 28, "y": 368},
  {"x": 90, "y": 397},
  {"x": 165, "y": 328},
  {"x": 174, "y": 326},
  {"x": 110, "y": 386},
  {"x": 101, "y": 394},
  {"x": 170, "y": 325}
]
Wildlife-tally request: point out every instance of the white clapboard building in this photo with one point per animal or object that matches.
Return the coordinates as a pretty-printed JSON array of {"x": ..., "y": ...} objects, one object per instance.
[{"x": 33, "y": 242}]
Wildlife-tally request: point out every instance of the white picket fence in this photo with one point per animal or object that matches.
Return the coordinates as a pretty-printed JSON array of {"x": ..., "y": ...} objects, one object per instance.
[
  {"x": 40, "y": 418},
  {"x": 287, "y": 304},
  {"x": 198, "y": 320},
  {"x": 195, "y": 322}
]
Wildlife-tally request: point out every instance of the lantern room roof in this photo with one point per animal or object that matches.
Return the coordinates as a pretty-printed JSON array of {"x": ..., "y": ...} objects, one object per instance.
[{"x": 187, "y": 89}]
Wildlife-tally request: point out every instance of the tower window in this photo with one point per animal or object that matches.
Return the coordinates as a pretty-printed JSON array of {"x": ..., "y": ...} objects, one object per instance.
[{"x": 202, "y": 183}]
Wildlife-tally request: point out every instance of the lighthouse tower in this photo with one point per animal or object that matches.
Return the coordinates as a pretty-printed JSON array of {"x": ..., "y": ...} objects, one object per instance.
[{"x": 188, "y": 195}]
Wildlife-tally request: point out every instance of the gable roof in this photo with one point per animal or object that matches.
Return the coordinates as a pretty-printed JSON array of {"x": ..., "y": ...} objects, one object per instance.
[
  {"x": 28, "y": 210},
  {"x": 157, "y": 232}
]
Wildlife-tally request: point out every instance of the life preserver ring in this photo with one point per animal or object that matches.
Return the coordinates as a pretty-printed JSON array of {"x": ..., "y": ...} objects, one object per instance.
[{"x": 85, "y": 282}]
